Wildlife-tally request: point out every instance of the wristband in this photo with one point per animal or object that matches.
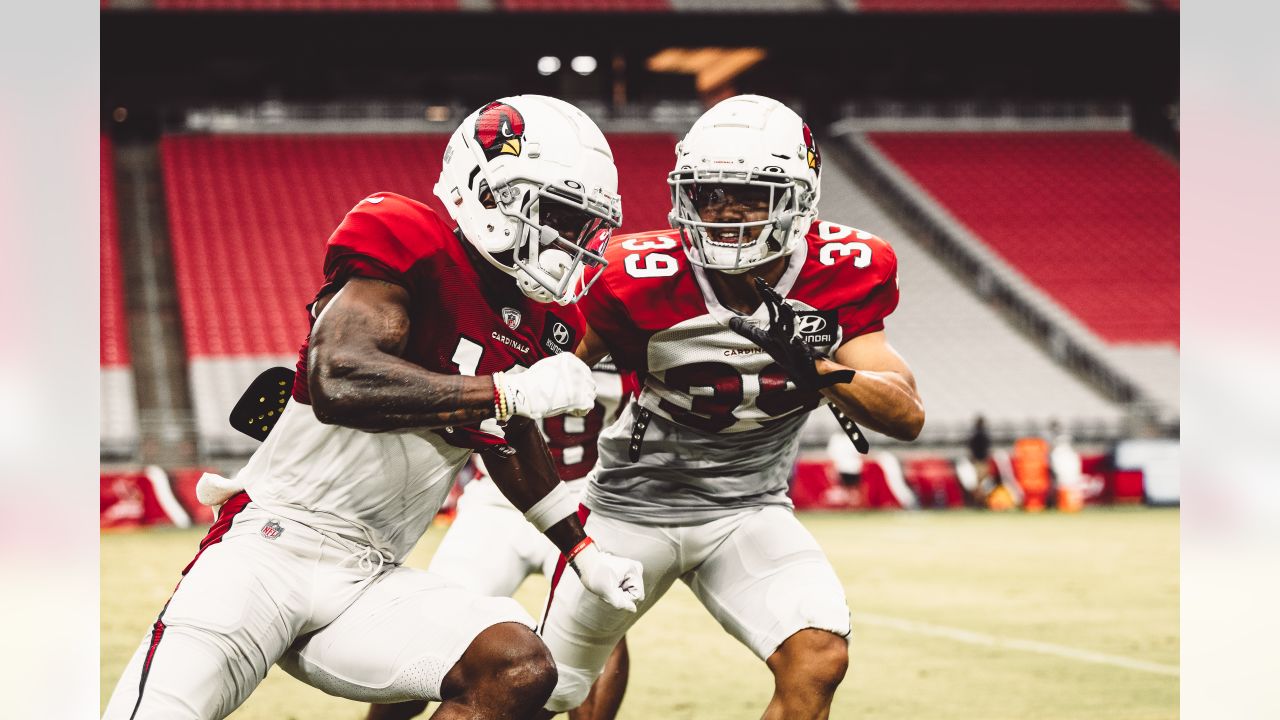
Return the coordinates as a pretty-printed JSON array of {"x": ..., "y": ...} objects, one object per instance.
[
  {"x": 577, "y": 549},
  {"x": 555, "y": 506},
  {"x": 502, "y": 404}
]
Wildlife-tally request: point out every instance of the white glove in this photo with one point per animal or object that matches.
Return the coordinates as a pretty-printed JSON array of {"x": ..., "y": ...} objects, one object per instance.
[
  {"x": 213, "y": 489},
  {"x": 617, "y": 580},
  {"x": 552, "y": 386}
]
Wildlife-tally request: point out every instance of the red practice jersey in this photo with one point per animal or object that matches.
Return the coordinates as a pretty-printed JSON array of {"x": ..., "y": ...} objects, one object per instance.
[
  {"x": 382, "y": 489},
  {"x": 465, "y": 318},
  {"x": 658, "y": 317}
]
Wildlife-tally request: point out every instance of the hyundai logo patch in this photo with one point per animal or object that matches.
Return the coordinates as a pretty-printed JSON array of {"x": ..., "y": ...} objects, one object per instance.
[
  {"x": 557, "y": 335},
  {"x": 817, "y": 327}
]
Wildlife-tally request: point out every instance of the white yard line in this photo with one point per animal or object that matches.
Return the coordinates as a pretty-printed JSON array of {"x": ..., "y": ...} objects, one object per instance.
[{"x": 996, "y": 641}]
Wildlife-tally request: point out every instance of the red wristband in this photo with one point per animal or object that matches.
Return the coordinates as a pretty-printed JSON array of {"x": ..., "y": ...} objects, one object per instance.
[{"x": 582, "y": 545}]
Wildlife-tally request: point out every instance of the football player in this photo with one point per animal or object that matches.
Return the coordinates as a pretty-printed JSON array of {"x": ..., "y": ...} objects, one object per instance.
[
  {"x": 747, "y": 315},
  {"x": 490, "y": 548},
  {"x": 412, "y": 363}
]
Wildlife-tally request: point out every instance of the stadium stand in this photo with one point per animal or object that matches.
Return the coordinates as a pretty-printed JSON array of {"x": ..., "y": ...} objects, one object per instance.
[
  {"x": 248, "y": 220},
  {"x": 741, "y": 6},
  {"x": 966, "y": 358},
  {"x": 1096, "y": 241},
  {"x": 309, "y": 5},
  {"x": 118, "y": 412},
  {"x": 586, "y": 5},
  {"x": 718, "y": 6},
  {"x": 1085, "y": 224},
  {"x": 247, "y": 258},
  {"x": 991, "y": 5}
]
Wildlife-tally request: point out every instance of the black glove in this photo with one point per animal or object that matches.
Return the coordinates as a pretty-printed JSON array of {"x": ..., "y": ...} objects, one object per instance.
[{"x": 785, "y": 345}]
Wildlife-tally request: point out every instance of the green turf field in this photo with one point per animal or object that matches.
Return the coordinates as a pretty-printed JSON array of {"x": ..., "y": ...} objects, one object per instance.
[{"x": 955, "y": 615}]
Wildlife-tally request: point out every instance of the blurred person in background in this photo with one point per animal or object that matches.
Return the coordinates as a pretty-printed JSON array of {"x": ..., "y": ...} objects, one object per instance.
[
  {"x": 848, "y": 465},
  {"x": 765, "y": 314},
  {"x": 1068, "y": 475},
  {"x": 980, "y": 455}
]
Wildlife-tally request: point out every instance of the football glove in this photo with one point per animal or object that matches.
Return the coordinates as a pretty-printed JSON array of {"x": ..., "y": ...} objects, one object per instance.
[
  {"x": 552, "y": 386},
  {"x": 785, "y": 344},
  {"x": 617, "y": 580}
]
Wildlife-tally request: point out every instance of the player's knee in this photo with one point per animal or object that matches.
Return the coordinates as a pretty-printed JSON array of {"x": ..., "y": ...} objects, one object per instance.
[
  {"x": 528, "y": 672},
  {"x": 507, "y": 660},
  {"x": 572, "y": 687},
  {"x": 816, "y": 658},
  {"x": 830, "y": 659}
]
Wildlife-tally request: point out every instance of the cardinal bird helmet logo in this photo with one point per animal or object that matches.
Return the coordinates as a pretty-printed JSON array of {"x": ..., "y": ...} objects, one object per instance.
[
  {"x": 814, "y": 157},
  {"x": 499, "y": 130}
]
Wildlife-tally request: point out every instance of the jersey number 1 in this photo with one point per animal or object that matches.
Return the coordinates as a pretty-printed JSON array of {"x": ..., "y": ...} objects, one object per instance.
[{"x": 467, "y": 356}]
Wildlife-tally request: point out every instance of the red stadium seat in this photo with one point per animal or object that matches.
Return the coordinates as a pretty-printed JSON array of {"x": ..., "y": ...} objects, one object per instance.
[
  {"x": 308, "y": 5},
  {"x": 114, "y": 347},
  {"x": 1091, "y": 218},
  {"x": 991, "y": 5},
  {"x": 248, "y": 220},
  {"x": 587, "y": 5},
  {"x": 117, "y": 409},
  {"x": 643, "y": 163},
  {"x": 249, "y": 217}
]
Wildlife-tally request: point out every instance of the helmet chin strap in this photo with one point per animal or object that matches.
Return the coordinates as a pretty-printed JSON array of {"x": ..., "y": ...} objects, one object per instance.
[{"x": 554, "y": 263}]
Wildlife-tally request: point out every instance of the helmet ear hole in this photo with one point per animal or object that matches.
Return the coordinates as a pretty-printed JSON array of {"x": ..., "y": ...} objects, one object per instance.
[{"x": 485, "y": 196}]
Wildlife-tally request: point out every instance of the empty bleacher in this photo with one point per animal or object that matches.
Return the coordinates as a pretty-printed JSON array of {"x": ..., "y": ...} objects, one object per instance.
[
  {"x": 118, "y": 413},
  {"x": 1092, "y": 218},
  {"x": 1084, "y": 223},
  {"x": 626, "y": 6},
  {"x": 967, "y": 359},
  {"x": 991, "y": 5},
  {"x": 643, "y": 162},
  {"x": 740, "y": 6},
  {"x": 249, "y": 217},
  {"x": 308, "y": 5},
  {"x": 585, "y": 5}
]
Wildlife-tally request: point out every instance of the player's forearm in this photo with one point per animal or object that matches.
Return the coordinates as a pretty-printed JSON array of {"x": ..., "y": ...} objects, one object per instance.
[
  {"x": 882, "y": 401},
  {"x": 378, "y": 392},
  {"x": 528, "y": 475}
]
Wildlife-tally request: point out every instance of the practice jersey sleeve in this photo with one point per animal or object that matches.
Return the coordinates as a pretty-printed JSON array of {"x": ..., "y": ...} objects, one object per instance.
[
  {"x": 867, "y": 313},
  {"x": 607, "y": 315},
  {"x": 364, "y": 245}
]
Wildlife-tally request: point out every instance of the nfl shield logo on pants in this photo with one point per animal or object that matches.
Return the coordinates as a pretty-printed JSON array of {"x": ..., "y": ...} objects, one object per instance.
[{"x": 272, "y": 530}]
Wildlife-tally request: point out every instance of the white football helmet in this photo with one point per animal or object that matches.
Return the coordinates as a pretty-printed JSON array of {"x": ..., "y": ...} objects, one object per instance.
[
  {"x": 530, "y": 180},
  {"x": 746, "y": 140}
]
